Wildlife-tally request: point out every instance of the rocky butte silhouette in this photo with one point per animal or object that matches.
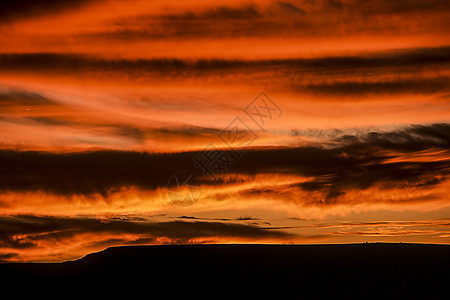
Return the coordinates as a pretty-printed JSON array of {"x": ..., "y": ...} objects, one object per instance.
[{"x": 368, "y": 270}]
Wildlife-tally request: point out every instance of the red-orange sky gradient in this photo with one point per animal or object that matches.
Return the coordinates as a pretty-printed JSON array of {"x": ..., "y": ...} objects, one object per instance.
[{"x": 292, "y": 121}]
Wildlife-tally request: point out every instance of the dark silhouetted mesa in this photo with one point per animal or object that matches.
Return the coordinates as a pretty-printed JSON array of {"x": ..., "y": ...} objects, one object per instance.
[{"x": 353, "y": 270}]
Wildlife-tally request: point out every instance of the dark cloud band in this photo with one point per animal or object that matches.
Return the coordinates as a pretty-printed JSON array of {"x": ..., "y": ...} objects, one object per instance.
[
  {"x": 43, "y": 62},
  {"x": 24, "y": 231},
  {"x": 338, "y": 76},
  {"x": 355, "y": 162}
]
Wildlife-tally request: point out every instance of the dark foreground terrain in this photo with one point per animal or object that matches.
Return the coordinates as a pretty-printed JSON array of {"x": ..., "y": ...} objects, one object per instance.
[{"x": 208, "y": 271}]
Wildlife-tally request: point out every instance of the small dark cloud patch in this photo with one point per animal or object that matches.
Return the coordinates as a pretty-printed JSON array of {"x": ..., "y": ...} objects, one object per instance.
[
  {"x": 188, "y": 217},
  {"x": 16, "y": 97},
  {"x": 290, "y": 8},
  {"x": 243, "y": 218},
  {"x": 5, "y": 257},
  {"x": 48, "y": 121},
  {"x": 220, "y": 13},
  {"x": 19, "y": 9},
  {"x": 247, "y": 218},
  {"x": 135, "y": 133},
  {"x": 352, "y": 88},
  {"x": 410, "y": 139}
]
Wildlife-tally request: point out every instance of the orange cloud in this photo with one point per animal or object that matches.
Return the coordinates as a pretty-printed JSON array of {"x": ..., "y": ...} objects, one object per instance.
[{"x": 104, "y": 102}]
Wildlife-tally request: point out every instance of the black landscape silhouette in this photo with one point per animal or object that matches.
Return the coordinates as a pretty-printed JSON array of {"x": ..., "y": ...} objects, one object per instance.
[{"x": 373, "y": 270}]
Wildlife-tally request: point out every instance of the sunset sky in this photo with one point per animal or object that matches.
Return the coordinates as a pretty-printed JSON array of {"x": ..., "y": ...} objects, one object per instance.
[{"x": 158, "y": 122}]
